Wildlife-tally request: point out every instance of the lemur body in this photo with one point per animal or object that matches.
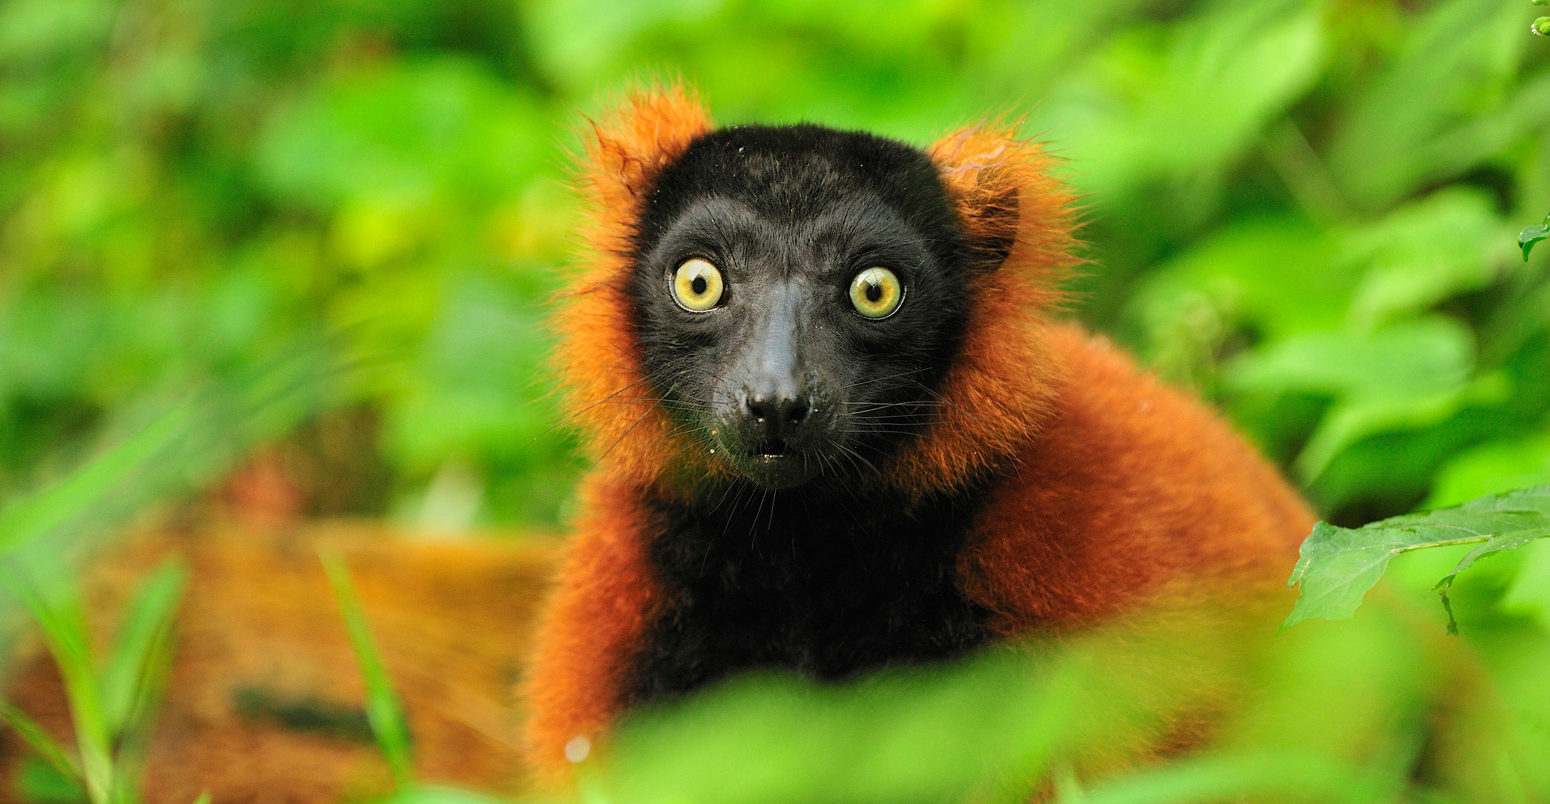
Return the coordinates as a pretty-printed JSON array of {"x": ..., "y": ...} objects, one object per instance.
[{"x": 837, "y": 428}]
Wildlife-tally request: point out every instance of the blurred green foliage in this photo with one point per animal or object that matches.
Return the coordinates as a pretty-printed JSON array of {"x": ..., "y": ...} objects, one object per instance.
[
  {"x": 331, "y": 228},
  {"x": 1303, "y": 209}
]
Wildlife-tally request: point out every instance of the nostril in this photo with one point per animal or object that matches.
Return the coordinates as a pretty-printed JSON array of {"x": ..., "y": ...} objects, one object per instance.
[
  {"x": 777, "y": 417},
  {"x": 796, "y": 410},
  {"x": 758, "y": 409}
]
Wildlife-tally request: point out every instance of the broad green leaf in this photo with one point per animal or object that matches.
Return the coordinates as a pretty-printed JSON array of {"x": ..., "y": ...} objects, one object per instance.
[
  {"x": 1533, "y": 234},
  {"x": 1437, "y": 247},
  {"x": 1338, "y": 565},
  {"x": 1409, "y": 374},
  {"x": 383, "y": 709},
  {"x": 1407, "y": 358}
]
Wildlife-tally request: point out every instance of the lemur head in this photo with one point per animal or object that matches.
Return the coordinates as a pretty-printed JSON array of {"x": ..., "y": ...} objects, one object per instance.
[
  {"x": 796, "y": 304},
  {"x": 799, "y": 293}
]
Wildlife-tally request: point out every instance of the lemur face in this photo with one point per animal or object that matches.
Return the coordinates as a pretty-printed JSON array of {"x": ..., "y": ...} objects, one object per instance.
[{"x": 799, "y": 293}]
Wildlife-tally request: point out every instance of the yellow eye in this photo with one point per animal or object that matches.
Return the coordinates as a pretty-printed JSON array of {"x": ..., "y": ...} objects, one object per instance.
[
  {"x": 876, "y": 292},
  {"x": 697, "y": 285}
]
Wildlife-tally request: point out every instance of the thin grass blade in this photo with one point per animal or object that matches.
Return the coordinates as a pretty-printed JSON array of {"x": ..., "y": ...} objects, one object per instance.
[{"x": 383, "y": 709}]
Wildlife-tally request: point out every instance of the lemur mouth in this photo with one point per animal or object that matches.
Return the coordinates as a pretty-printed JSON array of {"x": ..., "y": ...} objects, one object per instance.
[
  {"x": 774, "y": 464},
  {"x": 771, "y": 448}
]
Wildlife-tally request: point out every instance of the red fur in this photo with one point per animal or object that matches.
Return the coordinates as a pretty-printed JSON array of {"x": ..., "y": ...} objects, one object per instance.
[
  {"x": 1121, "y": 489},
  {"x": 627, "y": 435}
]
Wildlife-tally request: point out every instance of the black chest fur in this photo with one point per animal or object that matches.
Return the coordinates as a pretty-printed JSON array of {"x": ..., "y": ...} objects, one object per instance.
[{"x": 810, "y": 580}]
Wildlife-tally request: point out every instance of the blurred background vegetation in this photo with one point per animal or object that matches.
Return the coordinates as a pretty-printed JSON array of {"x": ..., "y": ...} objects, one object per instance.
[
  {"x": 1305, "y": 210},
  {"x": 295, "y": 255}
]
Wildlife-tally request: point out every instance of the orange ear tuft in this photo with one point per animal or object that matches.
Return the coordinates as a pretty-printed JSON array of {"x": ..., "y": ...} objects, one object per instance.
[
  {"x": 631, "y": 145},
  {"x": 1005, "y": 190},
  {"x": 1000, "y": 389}
]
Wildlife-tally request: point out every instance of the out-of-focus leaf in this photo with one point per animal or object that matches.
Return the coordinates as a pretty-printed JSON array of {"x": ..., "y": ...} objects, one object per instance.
[
  {"x": 149, "y": 617},
  {"x": 404, "y": 134},
  {"x": 1248, "y": 270},
  {"x": 26, "y": 519},
  {"x": 1463, "y": 54},
  {"x": 1338, "y": 565},
  {"x": 1441, "y": 246},
  {"x": 42, "y": 29},
  {"x": 1229, "y": 777},
  {"x": 62, "y": 620},
  {"x": 1408, "y": 374},
  {"x": 38, "y": 739},
  {"x": 1490, "y": 468},
  {"x": 1211, "y": 81},
  {"x": 1529, "y": 591},
  {"x": 38, "y": 782},
  {"x": 437, "y": 795}
]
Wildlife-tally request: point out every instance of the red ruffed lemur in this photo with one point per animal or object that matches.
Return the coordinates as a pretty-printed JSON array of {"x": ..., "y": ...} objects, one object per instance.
[{"x": 837, "y": 426}]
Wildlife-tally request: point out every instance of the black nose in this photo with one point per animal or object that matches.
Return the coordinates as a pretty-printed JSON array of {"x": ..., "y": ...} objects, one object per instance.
[{"x": 777, "y": 417}]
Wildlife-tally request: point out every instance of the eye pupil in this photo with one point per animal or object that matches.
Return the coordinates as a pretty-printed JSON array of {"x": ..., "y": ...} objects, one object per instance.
[
  {"x": 697, "y": 285},
  {"x": 876, "y": 292}
]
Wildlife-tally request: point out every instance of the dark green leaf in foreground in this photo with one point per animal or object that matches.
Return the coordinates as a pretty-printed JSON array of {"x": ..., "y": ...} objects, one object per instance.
[
  {"x": 1533, "y": 234},
  {"x": 1338, "y": 565}
]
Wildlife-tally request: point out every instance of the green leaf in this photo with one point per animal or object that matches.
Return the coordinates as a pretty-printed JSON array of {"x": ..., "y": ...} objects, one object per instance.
[
  {"x": 438, "y": 795},
  {"x": 38, "y": 782},
  {"x": 150, "y": 617},
  {"x": 1407, "y": 375},
  {"x": 40, "y": 741},
  {"x": 1417, "y": 255},
  {"x": 1533, "y": 234},
  {"x": 29, "y": 518},
  {"x": 1338, "y": 565},
  {"x": 65, "y": 633},
  {"x": 383, "y": 709},
  {"x": 1512, "y": 461}
]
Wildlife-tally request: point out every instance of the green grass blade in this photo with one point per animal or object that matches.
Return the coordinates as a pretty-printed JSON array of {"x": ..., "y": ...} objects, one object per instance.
[
  {"x": 204, "y": 798},
  {"x": 50, "y": 750},
  {"x": 147, "y": 689},
  {"x": 382, "y": 706},
  {"x": 65, "y": 634},
  {"x": 26, "y": 519},
  {"x": 150, "y": 617}
]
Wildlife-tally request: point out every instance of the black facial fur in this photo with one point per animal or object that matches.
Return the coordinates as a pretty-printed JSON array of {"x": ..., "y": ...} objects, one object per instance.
[
  {"x": 784, "y": 379},
  {"x": 794, "y": 564}
]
